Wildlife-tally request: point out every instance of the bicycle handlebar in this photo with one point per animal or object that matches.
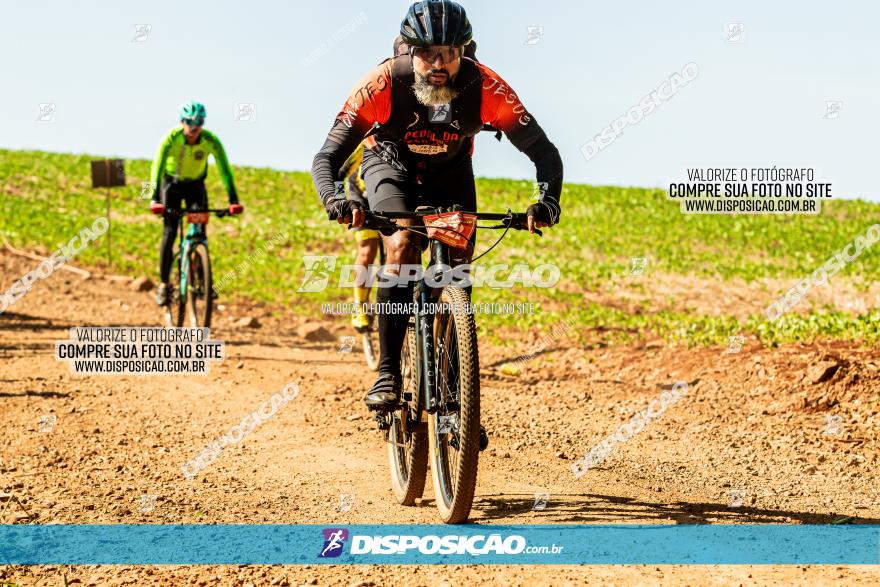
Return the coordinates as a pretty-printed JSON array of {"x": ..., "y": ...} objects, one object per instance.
[
  {"x": 514, "y": 220},
  {"x": 219, "y": 212}
]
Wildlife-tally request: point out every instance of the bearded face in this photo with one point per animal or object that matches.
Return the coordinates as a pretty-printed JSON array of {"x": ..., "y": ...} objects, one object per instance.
[
  {"x": 429, "y": 93},
  {"x": 434, "y": 74}
]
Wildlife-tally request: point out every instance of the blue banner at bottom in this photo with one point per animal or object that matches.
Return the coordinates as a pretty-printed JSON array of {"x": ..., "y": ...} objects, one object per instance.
[{"x": 178, "y": 544}]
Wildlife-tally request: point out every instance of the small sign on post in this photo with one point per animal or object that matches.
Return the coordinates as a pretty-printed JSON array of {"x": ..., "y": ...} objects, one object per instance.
[{"x": 108, "y": 173}]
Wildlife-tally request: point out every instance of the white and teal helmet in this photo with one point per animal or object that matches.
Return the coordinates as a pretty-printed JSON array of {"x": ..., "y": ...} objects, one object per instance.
[{"x": 193, "y": 113}]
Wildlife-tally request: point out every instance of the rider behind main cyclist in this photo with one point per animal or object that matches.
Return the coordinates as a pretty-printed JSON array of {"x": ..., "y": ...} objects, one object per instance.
[
  {"x": 427, "y": 106},
  {"x": 367, "y": 239},
  {"x": 178, "y": 173}
]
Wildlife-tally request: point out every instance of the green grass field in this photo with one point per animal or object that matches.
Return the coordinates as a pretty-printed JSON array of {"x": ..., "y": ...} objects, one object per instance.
[{"x": 47, "y": 198}]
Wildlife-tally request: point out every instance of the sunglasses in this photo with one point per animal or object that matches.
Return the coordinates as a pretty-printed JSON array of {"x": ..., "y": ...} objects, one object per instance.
[
  {"x": 193, "y": 121},
  {"x": 429, "y": 54}
]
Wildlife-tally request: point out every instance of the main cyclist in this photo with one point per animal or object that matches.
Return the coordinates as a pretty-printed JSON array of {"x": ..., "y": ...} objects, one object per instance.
[
  {"x": 426, "y": 106},
  {"x": 178, "y": 173},
  {"x": 368, "y": 239}
]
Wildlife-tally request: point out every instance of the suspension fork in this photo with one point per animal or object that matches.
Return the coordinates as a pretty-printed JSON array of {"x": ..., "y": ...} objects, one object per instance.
[
  {"x": 196, "y": 233},
  {"x": 182, "y": 262},
  {"x": 425, "y": 329}
]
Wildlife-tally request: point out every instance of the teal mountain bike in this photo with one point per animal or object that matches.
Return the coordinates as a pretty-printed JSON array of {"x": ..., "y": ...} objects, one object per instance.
[{"x": 191, "y": 287}]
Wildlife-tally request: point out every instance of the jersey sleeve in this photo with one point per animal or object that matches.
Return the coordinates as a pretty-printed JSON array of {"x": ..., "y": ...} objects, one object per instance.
[
  {"x": 502, "y": 108},
  {"x": 222, "y": 165},
  {"x": 159, "y": 162},
  {"x": 368, "y": 103}
]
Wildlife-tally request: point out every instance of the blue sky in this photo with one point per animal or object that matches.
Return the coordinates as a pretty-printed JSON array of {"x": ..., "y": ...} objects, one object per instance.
[{"x": 760, "y": 101}]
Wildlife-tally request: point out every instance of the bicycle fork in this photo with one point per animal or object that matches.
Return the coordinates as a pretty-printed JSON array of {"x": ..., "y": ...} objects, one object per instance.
[
  {"x": 425, "y": 336},
  {"x": 194, "y": 235},
  {"x": 425, "y": 330}
]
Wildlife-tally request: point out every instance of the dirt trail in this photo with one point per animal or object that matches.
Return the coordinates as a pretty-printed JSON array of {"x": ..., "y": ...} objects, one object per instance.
[{"x": 753, "y": 424}]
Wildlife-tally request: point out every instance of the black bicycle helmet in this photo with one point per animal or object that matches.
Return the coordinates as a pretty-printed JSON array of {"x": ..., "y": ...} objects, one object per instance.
[{"x": 436, "y": 22}]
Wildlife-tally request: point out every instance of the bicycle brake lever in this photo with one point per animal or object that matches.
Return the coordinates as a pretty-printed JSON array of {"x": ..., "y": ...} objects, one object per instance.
[
  {"x": 521, "y": 227},
  {"x": 537, "y": 230}
]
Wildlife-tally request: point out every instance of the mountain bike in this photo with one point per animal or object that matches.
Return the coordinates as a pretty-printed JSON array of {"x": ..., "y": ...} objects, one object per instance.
[
  {"x": 438, "y": 417},
  {"x": 191, "y": 284}
]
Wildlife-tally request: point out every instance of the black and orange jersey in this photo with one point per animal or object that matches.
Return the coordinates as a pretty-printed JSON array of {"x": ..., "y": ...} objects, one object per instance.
[{"x": 427, "y": 139}]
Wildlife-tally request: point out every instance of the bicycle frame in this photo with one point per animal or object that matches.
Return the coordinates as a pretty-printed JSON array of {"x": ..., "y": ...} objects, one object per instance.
[{"x": 195, "y": 234}]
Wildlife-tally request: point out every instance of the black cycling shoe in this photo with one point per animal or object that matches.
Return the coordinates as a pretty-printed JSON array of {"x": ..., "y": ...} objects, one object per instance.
[
  {"x": 484, "y": 438},
  {"x": 163, "y": 295},
  {"x": 384, "y": 396}
]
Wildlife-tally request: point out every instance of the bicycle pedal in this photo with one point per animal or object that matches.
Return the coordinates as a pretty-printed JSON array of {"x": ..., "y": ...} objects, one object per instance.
[
  {"x": 380, "y": 410},
  {"x": 382, "y": 420}
]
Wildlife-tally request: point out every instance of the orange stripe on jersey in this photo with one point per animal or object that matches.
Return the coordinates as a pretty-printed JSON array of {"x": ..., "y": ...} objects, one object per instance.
[
  {"x": 500, "y": 105},
  {"x": 369, "y": 101}
]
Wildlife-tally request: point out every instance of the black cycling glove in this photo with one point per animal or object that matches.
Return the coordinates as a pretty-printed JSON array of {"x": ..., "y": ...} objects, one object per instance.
[
  {"x": 546, "y": 210},
  {"x": 341, "y": 208}
]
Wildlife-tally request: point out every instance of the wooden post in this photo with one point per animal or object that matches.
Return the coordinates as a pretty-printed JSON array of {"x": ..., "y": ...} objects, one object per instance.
[
  {"x": 108, "y": 173},
  {"x": 109, "y": 224}
]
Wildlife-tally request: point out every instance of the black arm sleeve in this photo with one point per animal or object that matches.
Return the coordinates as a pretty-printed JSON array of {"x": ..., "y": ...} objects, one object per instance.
[
  {"x": 531, "y": 140},
  {"x": 340, "y": 143}
]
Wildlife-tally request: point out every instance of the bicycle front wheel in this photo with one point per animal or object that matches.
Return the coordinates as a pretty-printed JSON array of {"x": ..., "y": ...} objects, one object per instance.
[
  {"x": 454, "y": 429},
  {"x": 175, "y": 311},
  {"x": 201, "y": 302}
]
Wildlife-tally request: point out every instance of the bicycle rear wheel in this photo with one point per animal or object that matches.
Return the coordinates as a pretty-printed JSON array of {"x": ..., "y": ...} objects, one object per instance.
[
  {"x": 407, "y": 436},
  {"x": 175, "y": 311},
  {"x": 201, "y": 302},
  {"x": 454, "y": 430}
]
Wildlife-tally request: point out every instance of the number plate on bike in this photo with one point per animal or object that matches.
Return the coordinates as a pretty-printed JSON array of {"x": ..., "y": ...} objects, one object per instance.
[
  {"x": 452, "y": 228},
  {"x": 198, "y": 217}
]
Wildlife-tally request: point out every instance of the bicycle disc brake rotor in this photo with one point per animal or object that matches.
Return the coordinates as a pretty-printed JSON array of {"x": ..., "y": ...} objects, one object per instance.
[{"x": 449, "y": 414}]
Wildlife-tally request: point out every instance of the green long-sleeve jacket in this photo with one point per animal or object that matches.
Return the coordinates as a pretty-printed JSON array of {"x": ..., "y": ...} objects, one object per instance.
[{"x": 188, "y": 162}]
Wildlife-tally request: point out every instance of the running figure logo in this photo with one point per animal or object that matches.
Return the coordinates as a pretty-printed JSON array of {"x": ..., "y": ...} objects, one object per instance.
[
  {"x": 440, "y": 113},
  {"x": 339, "y": 190},
  {"x": 317, "y": 272},
  {"x": 334, "y": 539}
]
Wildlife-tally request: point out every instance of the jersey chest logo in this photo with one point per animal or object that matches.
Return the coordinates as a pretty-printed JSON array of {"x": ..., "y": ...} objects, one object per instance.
[
  {"x": 198, "y": 155},
  {"x": 426, "y": 141}
]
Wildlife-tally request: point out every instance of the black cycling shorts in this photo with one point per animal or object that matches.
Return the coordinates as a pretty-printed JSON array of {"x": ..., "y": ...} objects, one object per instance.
[
  {"x": 192, "y": 192},
  {"x": 390, "y": 190}
]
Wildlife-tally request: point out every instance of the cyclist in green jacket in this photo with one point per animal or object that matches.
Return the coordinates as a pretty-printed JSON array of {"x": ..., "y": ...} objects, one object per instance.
[{"x": 178, "y": 174}]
